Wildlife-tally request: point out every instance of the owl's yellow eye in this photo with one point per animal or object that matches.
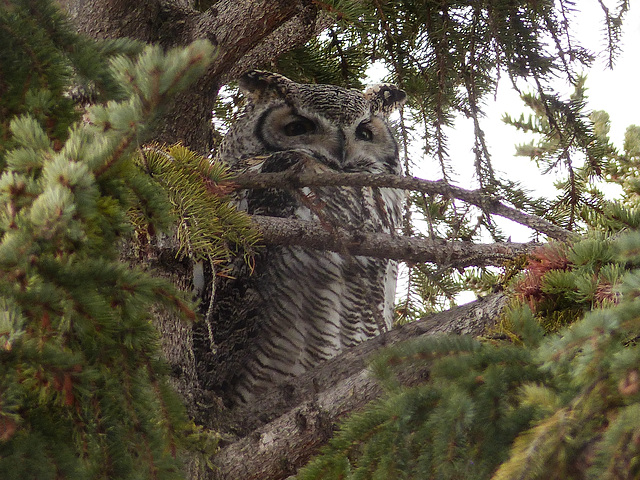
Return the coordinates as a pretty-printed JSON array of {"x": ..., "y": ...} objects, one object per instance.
[
  {"x": 364, "y": 132},
  {"x": 299, "y": 126}
]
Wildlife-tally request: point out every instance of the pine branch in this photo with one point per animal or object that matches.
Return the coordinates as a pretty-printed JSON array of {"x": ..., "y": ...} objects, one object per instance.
[
  {"x": 456, "y": 254},
  {"x": 80, "y": 356},
  {"x": 293, "y": 179}
]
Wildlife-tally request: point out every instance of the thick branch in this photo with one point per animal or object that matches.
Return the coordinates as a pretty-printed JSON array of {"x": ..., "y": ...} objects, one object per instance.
[
  {"x": 279, "y": 434},
  {"x": 457, "y": 254},
  {"x": 239, "y": 26},
  {"x": 297, "y": 22},
  {"x": 294, "y": 179}
]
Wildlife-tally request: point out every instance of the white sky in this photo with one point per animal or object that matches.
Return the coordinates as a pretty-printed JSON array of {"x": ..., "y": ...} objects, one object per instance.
[{"x": 615, "y": 91}]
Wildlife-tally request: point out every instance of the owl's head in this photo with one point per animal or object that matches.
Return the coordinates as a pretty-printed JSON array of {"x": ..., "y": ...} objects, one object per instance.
[{"x": 345, "y": 129}]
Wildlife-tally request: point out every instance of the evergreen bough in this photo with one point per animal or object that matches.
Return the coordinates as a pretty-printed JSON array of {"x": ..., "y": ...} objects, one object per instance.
[
  {"x": 208, "y": 226},
  {"x": 83, "y": 392},
  {"x": 548, "y": 406}
]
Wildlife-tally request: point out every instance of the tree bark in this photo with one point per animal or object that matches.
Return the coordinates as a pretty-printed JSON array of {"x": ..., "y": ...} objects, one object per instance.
[{"x": 294, "y": 178}]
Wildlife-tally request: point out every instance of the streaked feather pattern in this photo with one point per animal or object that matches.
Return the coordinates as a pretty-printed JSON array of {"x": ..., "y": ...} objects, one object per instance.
[{"x": 302, "y": 306}]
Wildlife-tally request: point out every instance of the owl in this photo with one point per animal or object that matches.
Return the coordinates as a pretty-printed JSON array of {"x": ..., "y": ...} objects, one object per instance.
[{"x": 294, "y": 307}]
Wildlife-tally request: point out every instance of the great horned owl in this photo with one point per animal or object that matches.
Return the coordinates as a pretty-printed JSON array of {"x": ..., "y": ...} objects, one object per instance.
[{"x": 300, "y": 306}]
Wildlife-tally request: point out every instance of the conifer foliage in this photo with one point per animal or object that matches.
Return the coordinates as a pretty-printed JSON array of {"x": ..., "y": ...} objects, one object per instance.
[
  {"x": 562, "y": 282},
  {"x": 560, "y": 406},
  {"x": 83, "y": 392},
  {"x": 208, "y": 226}
]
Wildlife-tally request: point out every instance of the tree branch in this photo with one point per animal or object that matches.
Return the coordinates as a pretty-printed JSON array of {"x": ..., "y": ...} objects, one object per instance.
[
  {"x": 281, "y": 432},
  {"x": 237, "y": 27},
  {"x": 292, "y": 179},
  {"x": 456, "y": 254}
]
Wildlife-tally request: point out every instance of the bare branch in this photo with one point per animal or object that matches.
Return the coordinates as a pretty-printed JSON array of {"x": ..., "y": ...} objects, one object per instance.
[
  {"x": 292, "y": 179},
  {"x": 457, "y": 254},
  {"x": 246, "y": 33},
  {"x": 239, "y": 26}
]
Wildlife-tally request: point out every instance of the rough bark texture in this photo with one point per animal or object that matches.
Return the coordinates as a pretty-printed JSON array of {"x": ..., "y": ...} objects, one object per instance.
[{"x": 455, "y": 254}]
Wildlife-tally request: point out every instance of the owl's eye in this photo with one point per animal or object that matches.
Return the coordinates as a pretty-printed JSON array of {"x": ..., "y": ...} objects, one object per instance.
[
  {"x": 299, "y": 126},
  {"x": 364, "y": 132}
]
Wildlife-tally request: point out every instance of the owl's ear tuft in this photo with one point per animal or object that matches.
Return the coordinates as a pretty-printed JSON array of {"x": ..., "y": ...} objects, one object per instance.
[
  {"x": 385, "y": 98},
  {"x": 262, "y": 86}
]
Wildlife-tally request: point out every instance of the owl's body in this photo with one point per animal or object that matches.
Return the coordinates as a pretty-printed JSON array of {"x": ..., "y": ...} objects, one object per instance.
[{"x": 302, "y": 306}]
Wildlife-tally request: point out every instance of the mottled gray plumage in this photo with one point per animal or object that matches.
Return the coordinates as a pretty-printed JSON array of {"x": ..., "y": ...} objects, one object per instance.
[{"x": 302, "y": 306}]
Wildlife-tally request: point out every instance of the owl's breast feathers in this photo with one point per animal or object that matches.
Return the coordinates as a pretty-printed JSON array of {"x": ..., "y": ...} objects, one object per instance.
[{"x": 300, "y": 306}]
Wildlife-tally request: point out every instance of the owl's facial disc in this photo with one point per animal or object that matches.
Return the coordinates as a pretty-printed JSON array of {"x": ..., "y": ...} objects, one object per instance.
[{"x": 354, "y": 147}]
